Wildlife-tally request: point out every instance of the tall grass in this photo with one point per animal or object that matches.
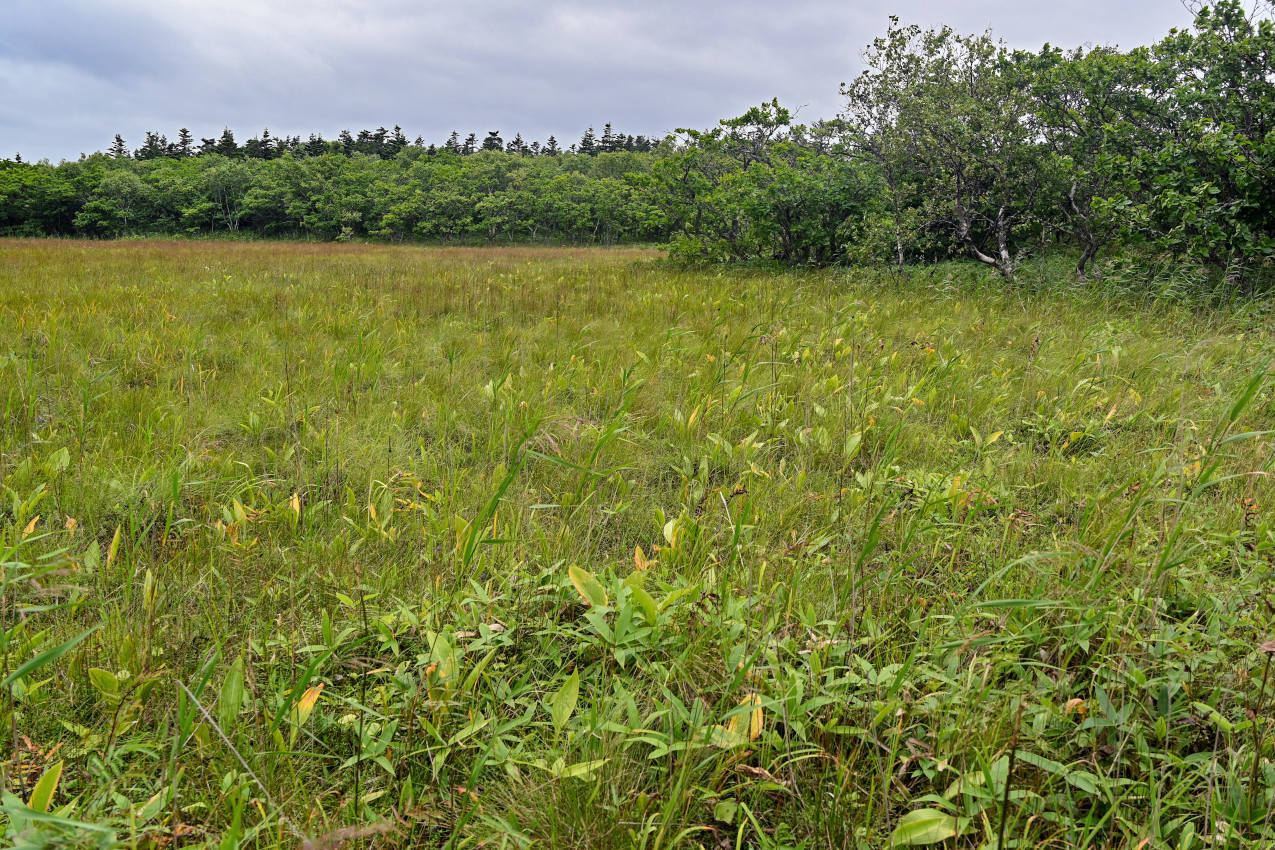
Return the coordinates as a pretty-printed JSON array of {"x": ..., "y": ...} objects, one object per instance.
[{"x": 371, "y": 546}]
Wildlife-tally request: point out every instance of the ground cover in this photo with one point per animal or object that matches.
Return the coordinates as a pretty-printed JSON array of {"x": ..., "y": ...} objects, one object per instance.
[{"x": 400, "y": 546}]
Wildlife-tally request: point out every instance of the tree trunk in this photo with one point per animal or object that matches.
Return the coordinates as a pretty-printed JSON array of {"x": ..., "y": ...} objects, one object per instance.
[{"x": 1005, "y": 265}]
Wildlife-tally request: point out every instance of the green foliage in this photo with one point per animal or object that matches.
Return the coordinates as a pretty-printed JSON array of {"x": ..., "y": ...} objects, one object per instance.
[
  {"x": 949, "y": 145},
  {"x": 451, "y": 546},
  {"x": 491, "y": 196},
  {"x": 990, "y": 152}
]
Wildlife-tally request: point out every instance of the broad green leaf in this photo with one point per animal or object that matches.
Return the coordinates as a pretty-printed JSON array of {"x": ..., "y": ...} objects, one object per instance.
[
  {"x": 563, "y": 704},
  {"x": 581, "y": 769},
  {"x": 231, "y": 700},
  {"x": 924, "y": 826},
  {"x": 647, "y": 604},
  {"x": 1086, "y": 782},
  {"x": 104, "y": 680}
]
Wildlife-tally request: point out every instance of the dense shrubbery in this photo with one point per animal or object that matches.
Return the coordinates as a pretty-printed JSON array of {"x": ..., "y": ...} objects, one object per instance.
[
  {"x": 949, "y": 145},
  {"x": 955, "y": 145},
  {"x": 492, "y": 195}
]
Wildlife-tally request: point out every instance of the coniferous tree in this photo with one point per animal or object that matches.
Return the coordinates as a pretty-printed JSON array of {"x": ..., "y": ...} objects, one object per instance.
[
  {"x": 470, "y": 145},
  {"x": 453, "y": 142},
  {"x": 185, "y": 144},
  {"x": 226, "y": 145},
  {"x": 551, "y": 147},
  {"x": 259, "y": 147},
  {"x": 395, "y": 143},
  {"x": 118, "y": 149},
  {"x": 517, "y": 146},
  {"x": 154, "y": 147},
  {"x": 493, "y": 142},
  {"x": 609, "y": 143},
  {"x": 588, "y": 143},
  {"x": 346, "y": 141}
]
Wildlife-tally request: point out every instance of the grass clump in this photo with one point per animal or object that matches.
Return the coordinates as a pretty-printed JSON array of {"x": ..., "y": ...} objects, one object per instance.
[{"x": 370, "y": 546}]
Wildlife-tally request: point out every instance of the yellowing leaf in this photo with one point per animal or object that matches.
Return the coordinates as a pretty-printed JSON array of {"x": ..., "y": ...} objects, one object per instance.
[
  {"x": 742, "y": 727},
  {"x": 295, "y": 503},
  {"x": 113, "y": 549},
  {"x": 42, "y": 794},
  {"x": 31, "y": 525},
  {"x": 150, "y": 590},
  {"x": 589, "y": 588},
  {"x": 305, "y": 705},
  {"x": 754, "y": 718}
]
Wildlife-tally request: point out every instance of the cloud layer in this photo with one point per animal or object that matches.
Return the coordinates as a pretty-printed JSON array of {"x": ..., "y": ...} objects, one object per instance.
[{"x": 75, "y": 72}]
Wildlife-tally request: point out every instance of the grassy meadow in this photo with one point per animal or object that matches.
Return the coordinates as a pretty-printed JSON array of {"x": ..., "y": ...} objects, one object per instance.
[{"x": 379, "y": 547}]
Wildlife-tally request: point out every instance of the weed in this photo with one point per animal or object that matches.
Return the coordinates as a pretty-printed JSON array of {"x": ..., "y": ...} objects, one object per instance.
[{"x": 340, "y": 546}]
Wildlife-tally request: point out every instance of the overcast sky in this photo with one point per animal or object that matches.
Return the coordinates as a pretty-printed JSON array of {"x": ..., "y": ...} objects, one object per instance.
[{"x": 75, "y": 72}]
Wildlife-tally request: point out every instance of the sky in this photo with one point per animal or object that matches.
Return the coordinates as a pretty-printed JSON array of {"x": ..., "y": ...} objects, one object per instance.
[{"x": 75, "y": 72}]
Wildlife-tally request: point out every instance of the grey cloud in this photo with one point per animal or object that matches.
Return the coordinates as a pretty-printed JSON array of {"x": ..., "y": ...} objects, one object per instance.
[{"x": 74, "y": 72}]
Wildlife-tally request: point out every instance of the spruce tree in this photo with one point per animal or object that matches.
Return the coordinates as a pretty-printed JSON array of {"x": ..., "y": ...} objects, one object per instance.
[
  {"x": 118, "y": 149},
  {"x": 226, "y": 145},
  {"x": 395, "y": 143},
  {"x": 155, "y": 147},
  {"x": 185, "y": 144}
]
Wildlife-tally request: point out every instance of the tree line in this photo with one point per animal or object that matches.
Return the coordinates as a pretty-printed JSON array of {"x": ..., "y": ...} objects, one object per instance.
[
  {"x": 490, "y": 195},
  {"x": 382, "y": 143},
  {"x": 948, "y": 145}
]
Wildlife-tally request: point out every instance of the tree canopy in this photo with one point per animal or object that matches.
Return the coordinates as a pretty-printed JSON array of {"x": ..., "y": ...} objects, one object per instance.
[{"x": 948, "y": 145}]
